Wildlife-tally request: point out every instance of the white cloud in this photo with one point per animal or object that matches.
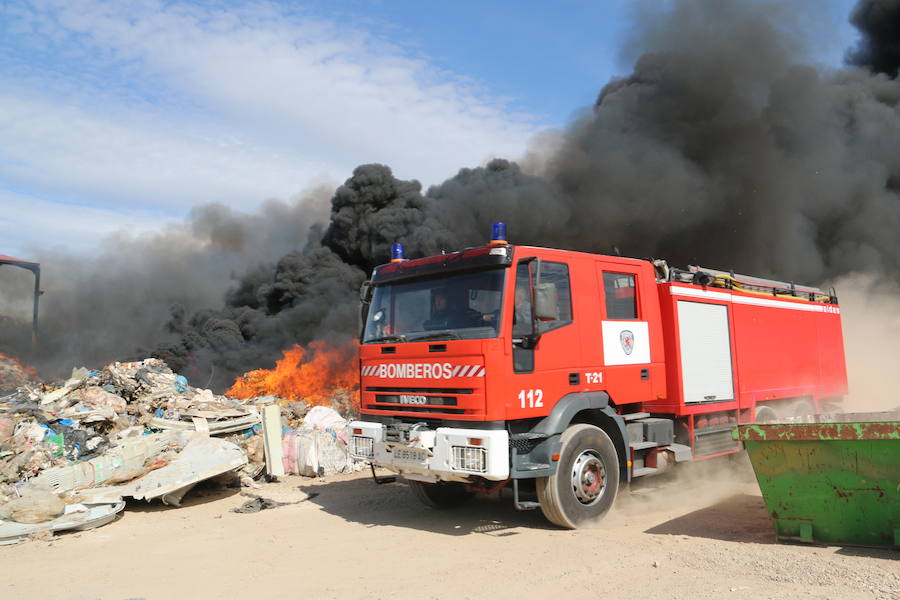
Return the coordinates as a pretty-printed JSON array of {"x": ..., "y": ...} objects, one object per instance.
[
  {"x": 78, "y": 154},
  {"x": 162, "y": 106},
  {"x": 30, "y": 225}
]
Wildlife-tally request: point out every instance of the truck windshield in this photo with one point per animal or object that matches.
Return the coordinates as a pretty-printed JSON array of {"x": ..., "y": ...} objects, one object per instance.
[{"x": 464, "y": 306}]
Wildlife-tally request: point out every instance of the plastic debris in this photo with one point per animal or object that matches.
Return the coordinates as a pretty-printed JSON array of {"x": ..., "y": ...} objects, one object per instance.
[
  {"x": 78, "y": 517},
  {"x": 36, "y": 507},
  {"x": 71, "y": 452},
  {"x": 258, "y": 503},
  {"x": 92, "y": 412},
  {"x": 319, "y": 446},
  {"x": 323, "y": 417},
  {"x": 202, "y": 458}
]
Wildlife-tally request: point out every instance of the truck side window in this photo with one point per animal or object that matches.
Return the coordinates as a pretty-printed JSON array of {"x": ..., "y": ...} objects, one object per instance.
[
  {"x": 558, "y": 274},
  {"x": 523, "y": 358},
  {"x": 621, "y": 299},
  {"x": 522, "y": 312}
]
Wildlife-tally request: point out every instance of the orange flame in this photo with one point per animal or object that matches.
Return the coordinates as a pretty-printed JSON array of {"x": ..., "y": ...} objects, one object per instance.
[
  {"x": 314, "y": 375},
  {"x": 15, "y": 362}
]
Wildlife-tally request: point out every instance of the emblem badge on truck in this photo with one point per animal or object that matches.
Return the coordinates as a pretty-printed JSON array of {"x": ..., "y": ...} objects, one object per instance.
[{"x": 627, "y": 339}]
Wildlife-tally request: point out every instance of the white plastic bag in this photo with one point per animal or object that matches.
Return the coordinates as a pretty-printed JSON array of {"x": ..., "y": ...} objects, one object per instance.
[{"x": 324, "y": 417}]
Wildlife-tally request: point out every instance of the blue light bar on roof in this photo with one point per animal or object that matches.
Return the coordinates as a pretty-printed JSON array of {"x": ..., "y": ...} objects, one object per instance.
[{"x": 498, "y": 233}]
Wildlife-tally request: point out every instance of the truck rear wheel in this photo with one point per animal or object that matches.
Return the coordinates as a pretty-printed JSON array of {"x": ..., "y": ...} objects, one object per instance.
[
  {"x": 802, "y": 409},
  {"x": 443, "y": 494},
  {"x": 584, "y": 486},
  {"x": 765, "y": 414}
]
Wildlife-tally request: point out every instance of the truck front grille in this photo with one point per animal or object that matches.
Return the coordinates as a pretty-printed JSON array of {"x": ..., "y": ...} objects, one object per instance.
[
  {"x": 423, "y": 400},
  {"x": 421, "y": 409},
  {"x": 418, "y": 390},
  {"x": 429, "y": 400}
]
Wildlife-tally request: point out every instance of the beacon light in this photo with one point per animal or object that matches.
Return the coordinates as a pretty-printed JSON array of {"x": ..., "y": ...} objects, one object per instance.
[
  {"x": 498, "y": 233},
  {"x": 397, "y": 253}
]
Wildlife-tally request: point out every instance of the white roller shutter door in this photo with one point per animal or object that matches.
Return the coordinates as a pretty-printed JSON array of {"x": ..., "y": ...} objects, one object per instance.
[{"x": 705, "y": 352}]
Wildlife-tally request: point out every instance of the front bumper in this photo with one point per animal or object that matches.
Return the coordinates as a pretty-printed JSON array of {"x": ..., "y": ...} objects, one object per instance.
[{"x": 442, "y": 454}]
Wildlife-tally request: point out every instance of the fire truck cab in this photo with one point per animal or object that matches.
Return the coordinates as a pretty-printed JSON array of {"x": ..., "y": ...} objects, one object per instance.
[{"x": 568, "y": 373}]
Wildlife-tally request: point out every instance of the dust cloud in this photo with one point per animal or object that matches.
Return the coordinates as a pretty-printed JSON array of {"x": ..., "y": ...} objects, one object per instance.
[{"x": 870, "y": 314}]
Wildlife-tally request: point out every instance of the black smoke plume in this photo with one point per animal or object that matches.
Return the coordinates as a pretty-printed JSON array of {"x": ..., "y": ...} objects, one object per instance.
[
  {"x": 373, "y": 209},
  {"x": 722, "y": 147},
  {"x": 879, "y": 23}
]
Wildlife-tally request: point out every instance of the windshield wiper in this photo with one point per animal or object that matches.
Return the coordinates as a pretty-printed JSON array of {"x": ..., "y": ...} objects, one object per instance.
[
  {"x": 436, "y": 335},
  {"x": 387, "y": 338}
]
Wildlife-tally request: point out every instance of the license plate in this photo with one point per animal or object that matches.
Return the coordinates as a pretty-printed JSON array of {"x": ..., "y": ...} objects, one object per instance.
[
  {"x": 411, "y": 454},
  {"x": 407, "y": 399}
]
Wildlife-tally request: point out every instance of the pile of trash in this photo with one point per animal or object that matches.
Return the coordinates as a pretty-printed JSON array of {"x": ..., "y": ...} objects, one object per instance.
[{"x": 70, "y": 455}]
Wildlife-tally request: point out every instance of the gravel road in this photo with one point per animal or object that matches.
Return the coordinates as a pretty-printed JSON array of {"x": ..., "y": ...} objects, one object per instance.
[{"x": 697, "y": 536}]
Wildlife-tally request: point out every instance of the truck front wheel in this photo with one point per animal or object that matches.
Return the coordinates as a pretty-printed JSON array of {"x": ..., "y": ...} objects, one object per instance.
[
  {"x": 443, "y": 494},
  {"x": 584, "y": 486}
]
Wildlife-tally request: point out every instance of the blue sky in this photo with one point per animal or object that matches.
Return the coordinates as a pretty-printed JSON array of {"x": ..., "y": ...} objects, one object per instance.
[
  {"x": 551, "y": 58},
  {"x": 123, "y": 115}
]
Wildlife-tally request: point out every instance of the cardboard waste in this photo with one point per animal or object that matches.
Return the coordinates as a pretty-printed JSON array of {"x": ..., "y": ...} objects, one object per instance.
[{"x": 71, "y": 454}]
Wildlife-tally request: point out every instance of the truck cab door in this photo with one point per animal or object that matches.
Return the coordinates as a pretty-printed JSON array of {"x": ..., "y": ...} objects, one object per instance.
[
  {"x": 545, "y": 348},
  {"x": 551, "y": 329},
  {"x": 625, "y": 334}
]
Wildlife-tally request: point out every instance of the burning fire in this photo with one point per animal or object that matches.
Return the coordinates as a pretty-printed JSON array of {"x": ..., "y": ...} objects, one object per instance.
[
  {"x": 31, "y": 371},
  {"x": 315, "y": 375},
  {"x": 14, "y": 374}
]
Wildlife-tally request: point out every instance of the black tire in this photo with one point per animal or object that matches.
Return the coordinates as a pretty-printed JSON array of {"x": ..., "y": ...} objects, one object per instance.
[
  {"x": 765, "y": 414},
  {"x": 443, "y": 494},
  {"x": 589, "y": 458}
]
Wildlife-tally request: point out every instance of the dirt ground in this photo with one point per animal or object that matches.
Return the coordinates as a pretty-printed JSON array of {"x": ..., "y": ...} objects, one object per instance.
[{"x": 697, "y": 536}]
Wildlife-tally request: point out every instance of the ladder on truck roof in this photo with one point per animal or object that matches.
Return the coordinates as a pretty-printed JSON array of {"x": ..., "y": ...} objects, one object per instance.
[{"x": 755, "y": 285}]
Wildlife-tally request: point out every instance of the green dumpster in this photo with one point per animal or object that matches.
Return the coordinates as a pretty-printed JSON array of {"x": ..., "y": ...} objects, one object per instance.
[{"x": 835, "y": 482}]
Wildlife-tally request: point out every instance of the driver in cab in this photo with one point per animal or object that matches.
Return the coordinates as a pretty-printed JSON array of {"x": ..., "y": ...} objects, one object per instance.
[{"x": 451, "y": 311}]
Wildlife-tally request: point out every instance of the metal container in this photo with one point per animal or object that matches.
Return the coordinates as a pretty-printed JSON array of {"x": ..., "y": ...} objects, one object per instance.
[{"x": 835, "y": 482}]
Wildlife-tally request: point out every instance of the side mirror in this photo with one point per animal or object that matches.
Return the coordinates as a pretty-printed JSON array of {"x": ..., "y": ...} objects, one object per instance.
[
  {"x": 365, "y": 292},
  {"x": 546, "y": 302},
  {"x": 365, "y": 297}
]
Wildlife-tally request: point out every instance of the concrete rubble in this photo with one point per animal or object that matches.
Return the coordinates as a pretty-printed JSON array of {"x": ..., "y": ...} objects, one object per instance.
[{"x": 71, "y": 454}]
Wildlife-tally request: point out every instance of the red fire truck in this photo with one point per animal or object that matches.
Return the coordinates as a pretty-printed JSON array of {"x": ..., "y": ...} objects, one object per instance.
[{"x": 564, "y": 374}]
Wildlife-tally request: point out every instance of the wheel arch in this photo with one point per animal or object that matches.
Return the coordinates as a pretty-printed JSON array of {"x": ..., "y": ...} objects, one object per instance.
[
  {"x": 591, "y": 408},
  {"x": 789, "y": 407}
]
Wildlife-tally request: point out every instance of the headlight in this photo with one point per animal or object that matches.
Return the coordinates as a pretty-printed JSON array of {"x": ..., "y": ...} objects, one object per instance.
[
  {"x": 468, "y": 458},
  {"x": 362, "y": 447}
]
